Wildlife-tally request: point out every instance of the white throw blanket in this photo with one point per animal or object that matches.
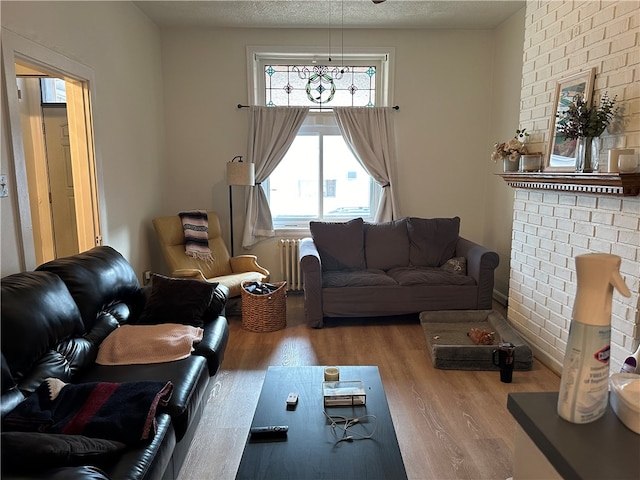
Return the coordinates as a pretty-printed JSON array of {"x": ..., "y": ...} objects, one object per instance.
[{"x": 139, "y": 344}]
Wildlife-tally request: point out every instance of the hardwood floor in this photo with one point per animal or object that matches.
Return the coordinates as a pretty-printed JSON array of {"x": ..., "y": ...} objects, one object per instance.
[{"x": 450, "y": 424}]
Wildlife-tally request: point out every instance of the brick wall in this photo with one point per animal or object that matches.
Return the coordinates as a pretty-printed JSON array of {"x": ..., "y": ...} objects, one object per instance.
[{"x": 551, "y": 228}]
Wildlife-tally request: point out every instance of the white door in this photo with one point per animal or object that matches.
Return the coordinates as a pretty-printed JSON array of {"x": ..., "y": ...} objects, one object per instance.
[{"x": 62, "y": 197}]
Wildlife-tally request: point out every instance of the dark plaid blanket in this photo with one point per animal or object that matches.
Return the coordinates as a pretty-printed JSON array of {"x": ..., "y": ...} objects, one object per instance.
[{"x": 123, "y": 412}]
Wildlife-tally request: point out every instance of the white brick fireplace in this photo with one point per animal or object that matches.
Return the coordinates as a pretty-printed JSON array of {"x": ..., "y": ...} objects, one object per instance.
[
  {"x": 549, "y": 230},
  {"x": 551, "y": 227}
]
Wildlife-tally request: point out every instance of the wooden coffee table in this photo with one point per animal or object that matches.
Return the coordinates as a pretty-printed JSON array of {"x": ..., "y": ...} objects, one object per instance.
[{"x": 310, "y": 451}]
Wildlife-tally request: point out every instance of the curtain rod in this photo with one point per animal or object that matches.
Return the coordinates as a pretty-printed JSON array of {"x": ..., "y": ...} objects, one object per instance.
[{"x": 247, "y": 106}]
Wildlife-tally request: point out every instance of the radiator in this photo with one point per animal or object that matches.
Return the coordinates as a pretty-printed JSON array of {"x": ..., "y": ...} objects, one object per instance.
[{"x": 290, "y": 263}]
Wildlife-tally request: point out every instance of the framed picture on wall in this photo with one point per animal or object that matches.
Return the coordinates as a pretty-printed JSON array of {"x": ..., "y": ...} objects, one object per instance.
[{"x": 562, "y": 152}]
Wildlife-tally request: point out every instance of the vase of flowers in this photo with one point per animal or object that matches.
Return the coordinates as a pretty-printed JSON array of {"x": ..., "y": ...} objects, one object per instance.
[
  {"x": 586, "y": 124},
  {"x": 509, "y": 152}
]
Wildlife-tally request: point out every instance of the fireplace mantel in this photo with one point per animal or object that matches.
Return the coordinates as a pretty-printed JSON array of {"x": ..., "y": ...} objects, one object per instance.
[{"x": 625, "y": 184}]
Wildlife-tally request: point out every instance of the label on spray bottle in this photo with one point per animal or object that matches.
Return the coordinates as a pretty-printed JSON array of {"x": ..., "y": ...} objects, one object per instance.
[{"x": 584, "y": 388}]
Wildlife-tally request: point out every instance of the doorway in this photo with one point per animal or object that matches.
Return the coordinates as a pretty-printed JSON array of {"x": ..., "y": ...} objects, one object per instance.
[
  {"x": 47, "y": 151},
  {"x": 53, "y": 153},
  {"x": 61, "y": 191}
]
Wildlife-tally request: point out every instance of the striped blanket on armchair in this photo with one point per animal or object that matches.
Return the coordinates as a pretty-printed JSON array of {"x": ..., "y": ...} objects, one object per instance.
[{"x": 195, "y": 224}]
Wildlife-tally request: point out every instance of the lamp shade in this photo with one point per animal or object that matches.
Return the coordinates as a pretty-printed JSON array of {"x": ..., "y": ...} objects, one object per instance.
[{"x": 241, "y": 173}]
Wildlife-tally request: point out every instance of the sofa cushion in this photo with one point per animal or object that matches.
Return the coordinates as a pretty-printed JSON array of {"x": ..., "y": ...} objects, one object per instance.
[
  {"x": 38, "y": 313},
  {"x": 357, "y": 278},
  {"x": 406, "y": 276},
  {"x": 340, "y": 244},
  {"x": 97, "y": 279},
  {"x": 433, "y": 240},
  {"x": 54, "y": 450},
  {"x": 386, "y": 244},
  {"x": 177, "y": 300}
]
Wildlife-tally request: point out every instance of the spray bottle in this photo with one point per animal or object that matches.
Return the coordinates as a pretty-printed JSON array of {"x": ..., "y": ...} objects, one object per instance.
[{"x": 584, "y": 384}]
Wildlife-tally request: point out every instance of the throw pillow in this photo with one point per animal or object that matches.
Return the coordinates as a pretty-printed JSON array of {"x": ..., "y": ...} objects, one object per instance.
[
  {"x": 457, "y": 265},
  {"x": 21, "y": 449},
  {"x": 340, "y": 244},
  {"x": 386, "y": 244},
  {"x": 177, "y": 300},
  {"x": 433, "y": 240}
]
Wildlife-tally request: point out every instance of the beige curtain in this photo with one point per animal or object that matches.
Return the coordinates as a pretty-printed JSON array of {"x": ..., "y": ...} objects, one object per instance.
[
  {"x": 370, "y": 134},
  {"x": 271, "y": 132}
]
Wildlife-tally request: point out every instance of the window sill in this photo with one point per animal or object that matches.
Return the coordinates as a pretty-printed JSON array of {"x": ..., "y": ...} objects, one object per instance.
[
  {"x": 292, "y": 232},
  {"x": 616, "y": 184}
]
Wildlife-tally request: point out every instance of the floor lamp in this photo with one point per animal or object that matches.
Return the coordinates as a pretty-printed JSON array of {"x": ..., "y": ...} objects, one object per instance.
[{"x": 238, "y": 173}]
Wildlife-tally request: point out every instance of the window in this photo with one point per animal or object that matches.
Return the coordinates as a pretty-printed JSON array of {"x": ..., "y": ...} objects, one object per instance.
[
  {"x": 53, "y": 90},
  {"x": 319, "y": 178},
  {"x": 320, "y": 86}
]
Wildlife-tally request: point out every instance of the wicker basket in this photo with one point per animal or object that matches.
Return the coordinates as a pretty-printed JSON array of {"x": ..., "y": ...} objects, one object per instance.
[{"x": 265, "y": 313}]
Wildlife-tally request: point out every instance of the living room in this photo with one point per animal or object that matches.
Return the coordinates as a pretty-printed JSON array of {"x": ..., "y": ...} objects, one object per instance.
[
  {"x": 162, "y": 141},
  {"x": 166, "y": 124}
]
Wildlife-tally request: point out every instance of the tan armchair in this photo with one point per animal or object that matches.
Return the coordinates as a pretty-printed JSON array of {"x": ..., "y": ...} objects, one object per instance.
[{"x": 228, "y": 271}]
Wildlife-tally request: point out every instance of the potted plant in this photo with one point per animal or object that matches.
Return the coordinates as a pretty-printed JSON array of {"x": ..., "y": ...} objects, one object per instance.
[
  {"x": 510, "y": 152},
  {"x": 586, "y": 124}
]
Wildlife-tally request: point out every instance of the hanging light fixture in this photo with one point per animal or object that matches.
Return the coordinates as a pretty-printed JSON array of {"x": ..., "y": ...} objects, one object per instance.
[
  {"x": 329, "y": 31},
  {"x": 342, "y": 69}
]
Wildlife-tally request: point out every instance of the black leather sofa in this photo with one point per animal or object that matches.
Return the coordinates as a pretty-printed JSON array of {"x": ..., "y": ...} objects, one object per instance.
[{"x": 53, "y": 322}]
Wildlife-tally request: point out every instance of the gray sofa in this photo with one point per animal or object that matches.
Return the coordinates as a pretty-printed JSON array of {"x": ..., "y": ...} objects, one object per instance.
[{"x": 410, "y": 265}]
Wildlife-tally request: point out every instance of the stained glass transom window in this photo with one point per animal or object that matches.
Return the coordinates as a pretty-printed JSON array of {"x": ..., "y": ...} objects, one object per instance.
[{"x": 319, "y": 86}]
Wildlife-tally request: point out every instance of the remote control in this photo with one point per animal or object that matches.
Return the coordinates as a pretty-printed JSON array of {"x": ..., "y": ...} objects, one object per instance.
[{"x": 269, "y": 432}]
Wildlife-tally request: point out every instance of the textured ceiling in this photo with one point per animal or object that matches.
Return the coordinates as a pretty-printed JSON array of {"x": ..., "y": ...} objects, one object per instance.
[{"x": 322, "y": 13}]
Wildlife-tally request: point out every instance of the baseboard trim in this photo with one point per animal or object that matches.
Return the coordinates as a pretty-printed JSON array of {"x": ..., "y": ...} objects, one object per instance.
[
  {"x": 543, "y": 357},
  {"x": 501, "y": 298}
]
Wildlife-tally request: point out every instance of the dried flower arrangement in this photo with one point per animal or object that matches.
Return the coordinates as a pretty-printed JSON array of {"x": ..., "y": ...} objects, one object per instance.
[{"x": 511, "y": 149}]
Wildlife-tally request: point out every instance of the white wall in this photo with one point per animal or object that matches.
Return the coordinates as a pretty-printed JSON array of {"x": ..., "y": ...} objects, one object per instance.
[
  {"x": 444, "y": 85},
  {"x": 122, "y": 47},
  {"x": 505, "y": 113},
  {"x": 9, "y": 241}
]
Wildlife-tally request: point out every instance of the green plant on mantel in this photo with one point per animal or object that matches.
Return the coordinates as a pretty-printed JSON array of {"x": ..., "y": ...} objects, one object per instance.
[{"x": 580, "y": 120}]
